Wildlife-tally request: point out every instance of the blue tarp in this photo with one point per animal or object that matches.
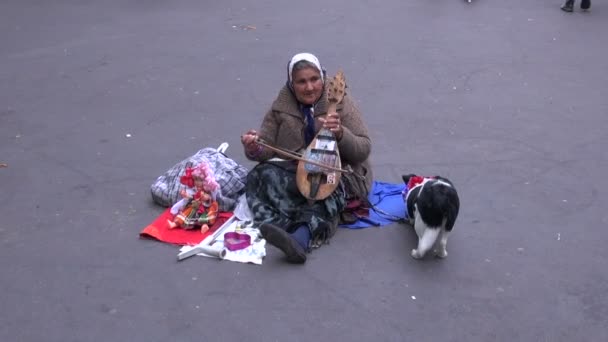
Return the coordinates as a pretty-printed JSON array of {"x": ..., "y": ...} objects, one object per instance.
[{"x": 388, "y": 199}]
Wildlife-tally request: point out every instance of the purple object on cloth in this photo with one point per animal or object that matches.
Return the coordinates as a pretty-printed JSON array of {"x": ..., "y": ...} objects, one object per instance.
[{"x": 235, "y": 241}]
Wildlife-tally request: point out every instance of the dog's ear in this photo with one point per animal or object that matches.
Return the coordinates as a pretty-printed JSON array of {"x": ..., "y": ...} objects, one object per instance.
[{"x": 406, "y": 178}]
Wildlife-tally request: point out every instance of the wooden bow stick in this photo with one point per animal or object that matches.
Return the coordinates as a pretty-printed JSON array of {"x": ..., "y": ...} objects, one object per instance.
[{"x": 298, "y": 156}]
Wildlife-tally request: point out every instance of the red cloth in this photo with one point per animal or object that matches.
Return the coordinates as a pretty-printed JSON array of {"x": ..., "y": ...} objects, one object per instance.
[
  {"x": 415, "y": 180},
  {"x": 159, "y": 230}
]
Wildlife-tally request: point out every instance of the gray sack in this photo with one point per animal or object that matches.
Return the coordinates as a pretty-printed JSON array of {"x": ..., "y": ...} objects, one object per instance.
[{"x": 229, "y": 175}]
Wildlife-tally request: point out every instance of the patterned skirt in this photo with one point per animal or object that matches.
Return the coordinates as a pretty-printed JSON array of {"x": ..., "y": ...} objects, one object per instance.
[{"x": 273, "y": 197}]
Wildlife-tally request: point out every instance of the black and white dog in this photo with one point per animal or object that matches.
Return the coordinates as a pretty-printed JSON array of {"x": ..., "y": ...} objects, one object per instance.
[{"x": 432, "y": 208}]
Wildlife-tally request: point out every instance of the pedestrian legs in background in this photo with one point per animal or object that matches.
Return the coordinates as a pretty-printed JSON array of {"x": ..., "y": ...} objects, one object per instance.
[{"x": 568, "y": 6}]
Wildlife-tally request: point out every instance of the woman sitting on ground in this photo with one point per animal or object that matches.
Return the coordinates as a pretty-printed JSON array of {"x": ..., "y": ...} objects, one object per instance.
[{"x": 285, "y": 217}]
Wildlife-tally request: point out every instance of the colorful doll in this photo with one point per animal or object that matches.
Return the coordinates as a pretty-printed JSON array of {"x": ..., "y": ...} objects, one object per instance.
[{"x": 198, "y": 207}]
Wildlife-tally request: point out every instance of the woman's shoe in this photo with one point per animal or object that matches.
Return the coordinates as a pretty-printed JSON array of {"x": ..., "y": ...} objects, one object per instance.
[
  {"x": 585, "y": 4},
  {"x": 569, "y": 6},
  {"x": 282, "y": 240}
]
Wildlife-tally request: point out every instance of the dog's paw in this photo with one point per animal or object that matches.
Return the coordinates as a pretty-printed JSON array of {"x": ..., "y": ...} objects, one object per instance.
[
  {"x": 416, "y": 254},
  {"x": 442, "y": 253}
]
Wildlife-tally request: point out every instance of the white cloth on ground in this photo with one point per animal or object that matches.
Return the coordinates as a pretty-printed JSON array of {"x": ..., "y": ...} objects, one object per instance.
[{"x": 254, "y": 254}]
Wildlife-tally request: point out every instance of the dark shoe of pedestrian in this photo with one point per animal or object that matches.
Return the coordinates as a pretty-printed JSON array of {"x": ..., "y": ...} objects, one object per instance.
[
  {"x": 568, "y": 6},
  {"x": 585, "y": 4},
  {"x": 282, "y": 240}
]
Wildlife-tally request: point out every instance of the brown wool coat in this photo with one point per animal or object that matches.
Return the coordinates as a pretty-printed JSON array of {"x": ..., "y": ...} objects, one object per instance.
[{"x": 283, "y": 126}]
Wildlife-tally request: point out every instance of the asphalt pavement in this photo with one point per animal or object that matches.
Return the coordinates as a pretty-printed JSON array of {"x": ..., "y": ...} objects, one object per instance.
[{"x": 506, "y": 98}]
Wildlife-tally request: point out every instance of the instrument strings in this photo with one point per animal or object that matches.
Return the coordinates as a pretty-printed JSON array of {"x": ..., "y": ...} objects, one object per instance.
[{"x": 321, "y": 157}]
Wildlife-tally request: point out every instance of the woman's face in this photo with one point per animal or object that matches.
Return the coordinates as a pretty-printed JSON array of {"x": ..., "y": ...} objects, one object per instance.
[{"x": 308, "y": 85}]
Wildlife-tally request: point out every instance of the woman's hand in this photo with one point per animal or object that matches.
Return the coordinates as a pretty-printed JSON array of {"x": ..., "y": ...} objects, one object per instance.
[
  {"x": 249, "y": 141},
  {"x": 332, "y": 122}
]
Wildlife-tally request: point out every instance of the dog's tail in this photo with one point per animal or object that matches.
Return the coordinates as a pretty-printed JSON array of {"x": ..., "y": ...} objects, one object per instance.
[{"x": 438, "y": 205}]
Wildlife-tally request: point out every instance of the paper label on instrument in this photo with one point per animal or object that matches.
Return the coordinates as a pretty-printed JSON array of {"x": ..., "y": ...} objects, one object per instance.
[
  {"x": 331, "y": 178},
  {"x": 325, "y": 145}
]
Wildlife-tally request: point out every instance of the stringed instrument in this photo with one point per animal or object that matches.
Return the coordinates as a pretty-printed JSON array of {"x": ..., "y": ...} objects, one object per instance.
[{"x": 314, "y": 181}]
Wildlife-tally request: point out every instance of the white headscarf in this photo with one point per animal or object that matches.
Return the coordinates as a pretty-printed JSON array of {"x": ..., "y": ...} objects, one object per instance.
[{"x": 309, "y": 57}]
